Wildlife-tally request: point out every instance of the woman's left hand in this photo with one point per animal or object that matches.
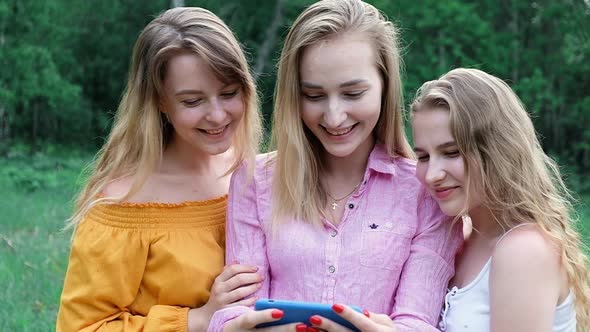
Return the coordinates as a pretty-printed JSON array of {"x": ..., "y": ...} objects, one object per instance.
[{"x": 366, "y": 322}]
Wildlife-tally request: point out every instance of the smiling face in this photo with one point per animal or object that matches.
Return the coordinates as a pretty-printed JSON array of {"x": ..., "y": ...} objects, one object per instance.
[
  {"x": 441, "y": 168},
  {"x": 341, "y": 93},
  {"x": 204, "y": 111}
]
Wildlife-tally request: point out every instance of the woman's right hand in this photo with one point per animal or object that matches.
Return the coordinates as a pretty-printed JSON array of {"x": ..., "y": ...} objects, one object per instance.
[
  {"x": 232, "y": 285},
  {"x": 230, "y": 288},
  {"x": 249, "y": 320}
]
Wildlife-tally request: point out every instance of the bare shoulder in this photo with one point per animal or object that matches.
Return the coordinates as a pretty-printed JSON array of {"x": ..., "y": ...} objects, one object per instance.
[
  {"x": 118, "y": 187},
  {"x": 526, "y": 250}
]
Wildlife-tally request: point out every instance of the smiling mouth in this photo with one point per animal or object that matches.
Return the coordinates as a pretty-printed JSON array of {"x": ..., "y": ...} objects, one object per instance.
[
  {"x": 444, "y": 192},
  {"x": 339, "y": 132},
  {"x": 217, "y": 131}
]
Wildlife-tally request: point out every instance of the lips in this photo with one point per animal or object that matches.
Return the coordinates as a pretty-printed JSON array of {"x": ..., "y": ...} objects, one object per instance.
[
  {"x": 215, "y": 131},
  {"x": 444, "y": 192},
  {"x": 340, "y": 131}
]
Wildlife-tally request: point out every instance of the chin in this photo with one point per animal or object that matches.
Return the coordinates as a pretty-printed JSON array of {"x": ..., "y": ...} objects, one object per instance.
[
  {"x": 339, "y": 152},
  {"x": 450, "y": 209},
  {"x": 217, "y": 149}
]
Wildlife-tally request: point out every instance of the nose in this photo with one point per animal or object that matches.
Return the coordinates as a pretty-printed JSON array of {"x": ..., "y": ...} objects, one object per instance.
[
  {"x": 435, "y": 172},
  {"x": 216, "y": 113},
  {"x": 335, "y": 115}
]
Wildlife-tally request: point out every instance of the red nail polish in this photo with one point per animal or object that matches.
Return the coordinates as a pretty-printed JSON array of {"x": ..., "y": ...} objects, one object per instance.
[
  {"x": 315, "y": 320},
  {"x": 301, "y": 328},
  {"x": 366, "y": 313},
  {"x": 276, "y": 314},
  {"x": 338, "y": 308},
  {"x": 311, "y": 329}
]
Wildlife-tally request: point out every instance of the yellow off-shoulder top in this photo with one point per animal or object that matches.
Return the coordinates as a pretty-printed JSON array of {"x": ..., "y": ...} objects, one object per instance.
[{"x": 141, "y": 267}]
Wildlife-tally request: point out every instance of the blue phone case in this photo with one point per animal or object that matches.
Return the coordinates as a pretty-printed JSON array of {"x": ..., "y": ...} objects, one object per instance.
[{"x": 301, "y": 312}]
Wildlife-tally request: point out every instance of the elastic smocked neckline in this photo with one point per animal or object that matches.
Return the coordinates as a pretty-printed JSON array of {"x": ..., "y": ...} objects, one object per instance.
[{"x": 149, "y": 215}]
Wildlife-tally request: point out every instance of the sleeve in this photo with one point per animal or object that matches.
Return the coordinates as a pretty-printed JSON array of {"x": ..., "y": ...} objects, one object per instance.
[
  {"x": 428, "y": 269},
  {"x": 245, "y": 240},
  {"x": 104, "y": 273}
]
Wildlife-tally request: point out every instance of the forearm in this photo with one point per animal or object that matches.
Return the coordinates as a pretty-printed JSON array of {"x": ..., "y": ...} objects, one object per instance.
[{"x": 221, "y": 317}]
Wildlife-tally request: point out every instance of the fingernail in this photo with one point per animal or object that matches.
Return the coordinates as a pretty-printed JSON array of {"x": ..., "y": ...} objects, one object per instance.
[
  {"x": 301, "y": 328},
  {"x": 258, "y": 285},
  {"x": 315, "y": 320},
  {"x": 338, "y": 308},
  {"x": 366, "y": 313},
  {"x": 312, "y": 329},
  {"x": 276, "y": 314}
]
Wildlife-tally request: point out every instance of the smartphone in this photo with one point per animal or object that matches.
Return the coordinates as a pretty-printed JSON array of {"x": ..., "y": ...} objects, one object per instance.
[{"x": 301, "y": 312}]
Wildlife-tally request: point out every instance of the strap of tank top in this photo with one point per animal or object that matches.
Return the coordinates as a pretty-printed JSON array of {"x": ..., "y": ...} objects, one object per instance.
[{"x": 510, "y": 230}]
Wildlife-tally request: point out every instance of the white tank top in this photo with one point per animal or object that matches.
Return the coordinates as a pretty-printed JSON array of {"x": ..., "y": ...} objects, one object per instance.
[{"x": 468, "y": 308}]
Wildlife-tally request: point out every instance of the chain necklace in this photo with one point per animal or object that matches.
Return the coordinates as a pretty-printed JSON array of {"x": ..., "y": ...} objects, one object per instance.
[{"x": 337, "y": 200}]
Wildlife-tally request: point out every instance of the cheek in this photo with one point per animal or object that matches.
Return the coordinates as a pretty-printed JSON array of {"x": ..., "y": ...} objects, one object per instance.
[
  {"x": 310, "y": 113},
  {"x": 373, "y": 104},
  {"x": 236, "y": 107},
  {"x": 457, "y": 169},
  {"x": 421, "y": 169},
  {"x": 187, "y": 116}
]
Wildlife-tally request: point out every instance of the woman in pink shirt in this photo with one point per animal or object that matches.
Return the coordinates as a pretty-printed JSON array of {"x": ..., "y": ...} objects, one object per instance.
[{"x": 336, "y": 215}]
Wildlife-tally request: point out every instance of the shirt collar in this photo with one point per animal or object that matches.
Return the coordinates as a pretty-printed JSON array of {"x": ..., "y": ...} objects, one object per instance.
[{"x": 380, "y": 161}]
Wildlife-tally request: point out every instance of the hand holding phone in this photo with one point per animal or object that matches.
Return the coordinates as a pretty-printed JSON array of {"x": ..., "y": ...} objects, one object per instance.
[{"x": 295, "y": 311}]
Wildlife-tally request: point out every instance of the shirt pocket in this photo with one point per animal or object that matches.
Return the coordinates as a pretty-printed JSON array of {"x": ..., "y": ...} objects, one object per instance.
[{"x": 385, "y": 246}]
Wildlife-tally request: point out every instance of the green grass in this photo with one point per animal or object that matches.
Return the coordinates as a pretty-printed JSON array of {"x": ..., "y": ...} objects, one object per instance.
[{"x": 36, "y": 201}]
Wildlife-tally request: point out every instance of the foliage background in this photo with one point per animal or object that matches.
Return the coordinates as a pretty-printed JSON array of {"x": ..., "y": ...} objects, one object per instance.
[{"x": 63, "y": 65}]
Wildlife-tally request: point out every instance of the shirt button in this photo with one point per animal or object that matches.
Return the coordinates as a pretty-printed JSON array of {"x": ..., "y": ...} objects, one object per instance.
[
  {"x": 351, "y": 206},
  {"x": 333, "y": 233},
  {"x": 332, "y": 269}
]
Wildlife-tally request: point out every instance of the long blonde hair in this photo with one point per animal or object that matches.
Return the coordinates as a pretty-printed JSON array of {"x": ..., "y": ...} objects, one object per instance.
[
  {"x": 140, "y": 131},
  {"x": 297, "y": 192},
  {"x": 519, "y": 182}
]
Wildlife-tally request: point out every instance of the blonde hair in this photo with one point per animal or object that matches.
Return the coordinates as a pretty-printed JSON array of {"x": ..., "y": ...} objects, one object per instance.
[
  {"x": 503, "y": 156},
  {"x": 140, "y": 131},
  {"x": 297, "y": 192}
]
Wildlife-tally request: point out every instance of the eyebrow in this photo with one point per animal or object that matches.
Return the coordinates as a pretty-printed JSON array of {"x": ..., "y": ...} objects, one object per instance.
[
  {"x": 199, "y": 92},
  {"x": 189, "y": 92},
  {"x": 440, "y": 147},
  {"x": 343, "y": 85}
]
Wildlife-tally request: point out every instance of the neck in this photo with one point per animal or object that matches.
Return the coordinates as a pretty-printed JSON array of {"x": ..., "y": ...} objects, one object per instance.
[
  {"x": 179, "y": 157},
  {"x": 483, "y": 222},
  {"x": 350, "y": 168}
]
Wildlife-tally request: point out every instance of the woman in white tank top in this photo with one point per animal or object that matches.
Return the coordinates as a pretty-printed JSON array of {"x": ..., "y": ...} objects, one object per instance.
[{"x": 521, "y": 267}]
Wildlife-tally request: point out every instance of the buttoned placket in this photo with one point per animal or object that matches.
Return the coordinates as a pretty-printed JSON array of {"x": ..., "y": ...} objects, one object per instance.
[{"x": 334, "y": 244}]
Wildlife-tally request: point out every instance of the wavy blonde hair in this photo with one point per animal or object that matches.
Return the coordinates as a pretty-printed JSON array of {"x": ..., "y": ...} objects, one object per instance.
[
  {"x": 296, "y": 184},
  {"x": 140, "y": 131},
  {"x": 520, "y": 183}
]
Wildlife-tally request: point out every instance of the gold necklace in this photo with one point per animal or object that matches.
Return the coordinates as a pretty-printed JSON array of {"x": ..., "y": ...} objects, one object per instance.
[{"x": 337, "y": 200}]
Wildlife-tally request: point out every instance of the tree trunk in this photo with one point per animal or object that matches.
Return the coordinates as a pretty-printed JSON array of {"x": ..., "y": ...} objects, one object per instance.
[
  {"x": 269, "y": 40},
  {"x": 35, "y": 121},
  {"x": 176, "y": 3},
  {"x": 3, "y": 114},
  {"x": 515, "y": 41},
  {"x": 442, "y": 54}
]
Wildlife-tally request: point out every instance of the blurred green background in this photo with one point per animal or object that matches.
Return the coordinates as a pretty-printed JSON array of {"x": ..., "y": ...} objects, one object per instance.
[{"x": 63, "y": 65}]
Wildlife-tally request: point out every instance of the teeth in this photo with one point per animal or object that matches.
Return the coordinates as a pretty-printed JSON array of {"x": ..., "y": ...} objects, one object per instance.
[
  {"x": 214, "y": 131},
  {"x": 339, "y": 132}
]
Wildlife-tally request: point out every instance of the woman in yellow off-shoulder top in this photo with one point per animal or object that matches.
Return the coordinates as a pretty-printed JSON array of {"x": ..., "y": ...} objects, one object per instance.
[{"x": 148, "y": 246}]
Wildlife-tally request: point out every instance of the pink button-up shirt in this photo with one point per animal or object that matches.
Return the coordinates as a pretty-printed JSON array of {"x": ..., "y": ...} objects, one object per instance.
[{"x": 393, "y": 252}]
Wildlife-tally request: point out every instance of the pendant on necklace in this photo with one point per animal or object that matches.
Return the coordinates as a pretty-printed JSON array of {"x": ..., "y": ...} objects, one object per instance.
[{"x": 334, "y": 206}]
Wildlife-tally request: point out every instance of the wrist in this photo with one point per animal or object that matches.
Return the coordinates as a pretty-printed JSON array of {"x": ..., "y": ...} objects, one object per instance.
[{"x": 199, "y": 318}]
